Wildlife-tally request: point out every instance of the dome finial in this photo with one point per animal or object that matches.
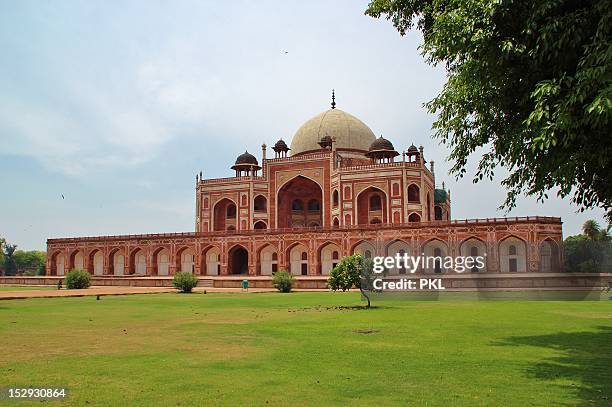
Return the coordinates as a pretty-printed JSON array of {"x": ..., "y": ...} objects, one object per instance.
[{"x": 333, "y": 103}]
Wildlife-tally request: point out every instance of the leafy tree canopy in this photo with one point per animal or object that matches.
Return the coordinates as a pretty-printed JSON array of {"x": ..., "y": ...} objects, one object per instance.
[
  {"x": 528, "y": 80},
  {"x": 352, "y": 271}
]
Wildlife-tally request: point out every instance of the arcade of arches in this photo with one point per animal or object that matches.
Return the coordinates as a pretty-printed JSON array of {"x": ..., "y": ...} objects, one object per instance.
[{"x": 298, "y": 258}]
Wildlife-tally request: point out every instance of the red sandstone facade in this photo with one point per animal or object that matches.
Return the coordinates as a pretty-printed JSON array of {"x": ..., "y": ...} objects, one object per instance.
[{"x": 340, "y": 191}]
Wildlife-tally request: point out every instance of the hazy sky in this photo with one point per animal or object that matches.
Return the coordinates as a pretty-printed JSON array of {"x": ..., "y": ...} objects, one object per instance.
[{"x": 117, "y": 105}]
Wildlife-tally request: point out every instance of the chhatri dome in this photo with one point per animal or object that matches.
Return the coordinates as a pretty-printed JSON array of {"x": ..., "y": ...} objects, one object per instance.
[{"x": 350, "y": 132}]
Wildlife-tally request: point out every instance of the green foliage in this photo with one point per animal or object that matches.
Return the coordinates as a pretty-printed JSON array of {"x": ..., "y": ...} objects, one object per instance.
[
  {"x": 593, "y": 231},
  {"x": 283, "y": 281},
  {"x": 77, "y": 279},
  {"x": 29, "y": 262},
  {"x": 584, "y": 255},
  {"x": 346, "y": 274},
  {"x": 184, "y": 281},
  {"x": 530, "y": 81},
  {"x": 13, "y": 261},
  {"x": 9, "y": 266},
  {"x": 352, "y": 271},
  {"x": 2, "y": 243}
]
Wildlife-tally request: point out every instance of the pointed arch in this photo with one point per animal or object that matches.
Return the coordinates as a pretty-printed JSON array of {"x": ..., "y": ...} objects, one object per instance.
[
  {"x": 76, "y": 260},
  {"x": 225, "y": 214},
  {"x": 210, "y": 261},
  {"x": 414, "y": 193},
  {"x": 116, "y": 262},
  {"x": 260, "y": 203},
  {"x": 402, "y": 248},
  {"x": 512, "y": 254},
  {"x": 435, "y": 251},
  {"x": 329, "y": 254},
  {"x": 471, "y": 247},
  {"x": 157, "y": 261},
  {"x": 260, "y": 225},
  {"x": 185, "y": 259},
  {"x": 57, "y": 263},
  {"x": 95, "y": 264},
  {"x": 298, "y": 256},
  {"x": 138, "y": 261},
  {"x": 364, "y": 246},
  {"x": 238, "y": 260},
  {"x": 366, "y": 211},
  {"x": 305, "y": 191},
  {"x": 549, "y": 256},
  {"x": 267, "y": 259}
]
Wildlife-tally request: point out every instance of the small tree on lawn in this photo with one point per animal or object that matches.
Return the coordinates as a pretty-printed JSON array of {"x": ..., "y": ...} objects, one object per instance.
[{"x": 352, "y": 271}]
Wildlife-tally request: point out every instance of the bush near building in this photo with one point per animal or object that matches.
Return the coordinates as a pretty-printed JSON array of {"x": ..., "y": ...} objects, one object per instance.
[
  {"x": 77, "y": 279},
  {"x": 184, "y": 281}
]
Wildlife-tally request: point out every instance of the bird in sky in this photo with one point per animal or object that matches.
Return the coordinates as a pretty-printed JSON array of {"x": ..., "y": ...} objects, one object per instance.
[{"x": 63, "y": 196}]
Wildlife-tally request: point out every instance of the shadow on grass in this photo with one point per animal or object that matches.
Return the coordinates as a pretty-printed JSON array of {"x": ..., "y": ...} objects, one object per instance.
[{"x": 586, "y": 361}]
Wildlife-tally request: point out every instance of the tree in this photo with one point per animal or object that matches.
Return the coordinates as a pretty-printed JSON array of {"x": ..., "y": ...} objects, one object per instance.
[
  {"x": 590, "y": 252},
  {"x": 10, "y": 269},
  {"x": 2, "y": 243},
  {"x": 352, "y": 271},
  {"x": 29, "y": 262},
  {"x": 530, "y": 81},
  {"x": 591, "y": 229}
]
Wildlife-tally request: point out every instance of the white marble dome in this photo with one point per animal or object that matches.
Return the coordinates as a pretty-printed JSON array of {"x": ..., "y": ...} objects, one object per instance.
[{"x": 349, "y": 132}]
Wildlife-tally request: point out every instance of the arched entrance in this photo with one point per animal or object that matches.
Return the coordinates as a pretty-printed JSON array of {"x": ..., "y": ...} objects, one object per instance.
[
  {"x": 300, "y": 203},
  {"x": 329, "y": 257},
  {"x": 96, "y": 262},
  {"x": 238, "y": 260},
  {"x": 474, "y": 247},
  {"x": 512, "y": 255},
  {"x": 549, "y": 257},
  {"x": 138, "y": 262},
  {"x": 268, "y": 261},
  {"x": 435, "y": 251},
  {"x": 225, "y": 215},
  {"x": 211, "y": 262},
  {"x": 298, "y": 260},
  {"x": 371, "y": 206},
  {"x": 401, "y": 248}
]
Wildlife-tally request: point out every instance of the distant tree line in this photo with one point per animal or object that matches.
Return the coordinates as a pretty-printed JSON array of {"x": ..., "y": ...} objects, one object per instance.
[
  {"x": 589, "y": 252},
  {"x": 15, "y": 262}
]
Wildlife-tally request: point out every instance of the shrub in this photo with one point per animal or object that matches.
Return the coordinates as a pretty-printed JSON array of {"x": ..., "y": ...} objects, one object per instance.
[
  {"x": 283, "y": 281},
  {"x": 77, "y": 278},
  {"x": 184, "y": 281}
]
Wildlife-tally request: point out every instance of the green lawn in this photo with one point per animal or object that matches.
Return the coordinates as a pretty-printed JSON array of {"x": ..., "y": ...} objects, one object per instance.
[
  {"x": 25, "y": 287},
  {"x": 298, "y": 349}
]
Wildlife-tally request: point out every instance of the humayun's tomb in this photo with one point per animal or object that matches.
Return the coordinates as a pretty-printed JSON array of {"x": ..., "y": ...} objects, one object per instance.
[{"x": 337, "y": 190}]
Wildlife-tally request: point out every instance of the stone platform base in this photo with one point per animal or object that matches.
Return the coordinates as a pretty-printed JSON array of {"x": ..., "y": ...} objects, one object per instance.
[{"x": 458, "y": 282}]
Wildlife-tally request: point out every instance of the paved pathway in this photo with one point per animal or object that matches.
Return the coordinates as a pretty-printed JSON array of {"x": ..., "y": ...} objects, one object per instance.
[{"x": 114, "y": 290}]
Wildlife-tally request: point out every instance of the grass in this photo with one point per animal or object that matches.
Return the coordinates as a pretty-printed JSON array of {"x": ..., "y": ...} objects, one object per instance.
[
  {"x": 309, "y": 349},
  {"x": 25, "y": 287}
]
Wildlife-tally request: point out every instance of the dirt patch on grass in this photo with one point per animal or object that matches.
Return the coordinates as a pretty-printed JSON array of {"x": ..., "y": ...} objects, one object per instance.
[
  {"x": 366, "y": 331},
  {"x": 320, "y": 308}
]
